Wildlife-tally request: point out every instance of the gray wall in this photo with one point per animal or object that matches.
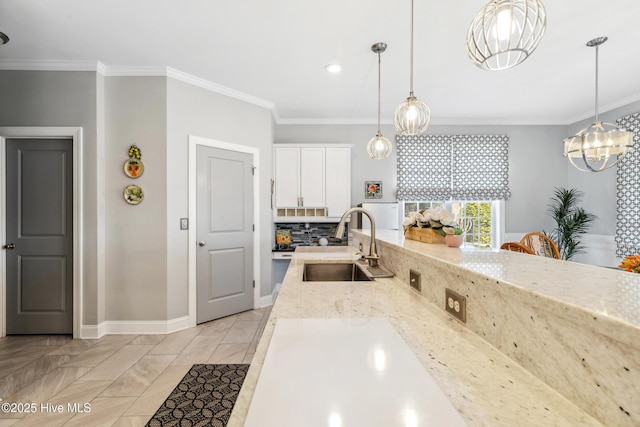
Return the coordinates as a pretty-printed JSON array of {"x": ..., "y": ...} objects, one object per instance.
[
  {"x": 536, "y": 164},
  {"x": 599, "y": 188},
  {"x": 48, "y": 98},
  {"x": 135, "y": 257},
  {"x": 195, "y": 111},
  {"x": 136, "y": 243}
]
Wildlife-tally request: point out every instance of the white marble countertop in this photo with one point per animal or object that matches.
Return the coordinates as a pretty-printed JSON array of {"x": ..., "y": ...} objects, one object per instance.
[
  {"x": 484, "y": 385},
  {"x": 311, "y": 368},
  {"x": 605, "y": 291}
]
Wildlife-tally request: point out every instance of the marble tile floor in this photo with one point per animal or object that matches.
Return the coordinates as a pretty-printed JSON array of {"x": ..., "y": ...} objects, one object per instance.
[{"x": 117, "y": 380}]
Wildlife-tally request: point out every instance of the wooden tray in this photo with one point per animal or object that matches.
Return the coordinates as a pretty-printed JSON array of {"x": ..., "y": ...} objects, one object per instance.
[{"x": 426, "y": 235}]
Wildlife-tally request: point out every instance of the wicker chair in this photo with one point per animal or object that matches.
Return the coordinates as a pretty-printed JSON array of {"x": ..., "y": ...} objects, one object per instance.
[
  {"x": 516, "y": 247},
  {"x": 541, "y": 245}
]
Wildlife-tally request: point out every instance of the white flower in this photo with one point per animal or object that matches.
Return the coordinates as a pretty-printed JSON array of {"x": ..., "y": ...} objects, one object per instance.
[
  {"x": 449, "y": 219},
  {"x": 409, "y": 220}
]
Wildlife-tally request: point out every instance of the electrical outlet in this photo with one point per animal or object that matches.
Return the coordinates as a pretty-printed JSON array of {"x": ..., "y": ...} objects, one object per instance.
[
  {"x": 455, "y": 304},
  {"x": 414, "y": 280}
]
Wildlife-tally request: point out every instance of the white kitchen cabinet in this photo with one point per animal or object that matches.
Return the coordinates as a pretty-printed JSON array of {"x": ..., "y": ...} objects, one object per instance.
[
  {"x": 311, "y": 180},
  {"x": 338, "y": 180}
]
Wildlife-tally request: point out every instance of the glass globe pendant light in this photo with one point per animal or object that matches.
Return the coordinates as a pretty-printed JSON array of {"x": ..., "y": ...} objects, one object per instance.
[
  {"x": 379, "y": 147},
  {"x": 505, "y": 32},
  {"x": 413, "y": 115},
  {"x": 597, "y": 144}
]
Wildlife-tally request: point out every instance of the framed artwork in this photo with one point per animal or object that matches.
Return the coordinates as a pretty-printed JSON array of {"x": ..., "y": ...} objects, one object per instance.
[{"x": 373, "y": 189}]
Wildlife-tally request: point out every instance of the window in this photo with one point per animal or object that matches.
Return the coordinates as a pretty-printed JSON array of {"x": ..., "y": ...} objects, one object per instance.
[
  {"x": 466, "y": 174},
  {"x": 484, "y": 219}
]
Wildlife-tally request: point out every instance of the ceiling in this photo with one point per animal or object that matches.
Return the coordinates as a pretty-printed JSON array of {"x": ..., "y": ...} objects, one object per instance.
[{"x": 276, "y": 51}]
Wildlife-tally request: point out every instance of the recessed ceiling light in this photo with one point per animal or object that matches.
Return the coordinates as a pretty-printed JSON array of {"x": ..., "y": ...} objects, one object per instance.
[
  {"x": 4, "y": 39},
  {"x": 333, "y": 68}
]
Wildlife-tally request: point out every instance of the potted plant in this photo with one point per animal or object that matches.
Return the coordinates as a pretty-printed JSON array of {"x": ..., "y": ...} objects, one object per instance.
[
  {"x": 572, "y": 221},
  {"x": 454, "y": 237}
]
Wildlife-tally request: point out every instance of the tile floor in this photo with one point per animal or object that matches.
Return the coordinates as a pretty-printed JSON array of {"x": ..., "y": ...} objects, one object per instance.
[{"x": 118, "y": 380}]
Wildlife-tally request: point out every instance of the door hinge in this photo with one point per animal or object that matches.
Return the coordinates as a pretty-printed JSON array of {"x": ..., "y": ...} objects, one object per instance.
[
  {"x": 254, "y": 283},
  {"x": 253, "y": 170},
  {"x": 253, "y": 226}
]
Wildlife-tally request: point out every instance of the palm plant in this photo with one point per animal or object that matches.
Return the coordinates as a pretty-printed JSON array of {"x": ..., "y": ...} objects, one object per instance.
[{"x": 572, "y": 221}]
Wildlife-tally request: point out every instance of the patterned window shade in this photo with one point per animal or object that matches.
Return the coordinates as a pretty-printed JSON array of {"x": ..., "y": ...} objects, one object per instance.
[
  {"x": 442, "y": 167},
  {"x": 424, "y": 167},
  {"x": 627, "y": 193},
  {"x": 481, "y": 167}
]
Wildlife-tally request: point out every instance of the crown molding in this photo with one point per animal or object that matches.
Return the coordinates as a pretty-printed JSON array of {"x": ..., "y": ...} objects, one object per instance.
[
  {"x": 27, "y": 65},
  {"x": 142, "y": 71}
]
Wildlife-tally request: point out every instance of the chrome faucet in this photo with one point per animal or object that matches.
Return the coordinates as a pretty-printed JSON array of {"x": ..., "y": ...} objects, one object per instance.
[{"x": 373, "y": 256}]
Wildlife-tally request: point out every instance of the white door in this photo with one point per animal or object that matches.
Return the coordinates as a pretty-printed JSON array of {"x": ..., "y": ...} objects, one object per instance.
[{"x": 224, "y": 233}]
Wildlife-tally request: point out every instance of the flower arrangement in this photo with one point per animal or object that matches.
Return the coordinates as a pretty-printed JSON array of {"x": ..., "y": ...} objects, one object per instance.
[
  {"x": 631, "y": 264},
  {"x": 438, "y": 219}
]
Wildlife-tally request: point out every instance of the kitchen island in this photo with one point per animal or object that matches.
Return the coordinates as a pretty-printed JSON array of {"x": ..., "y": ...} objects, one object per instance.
[{"x": 546, "y": 342}]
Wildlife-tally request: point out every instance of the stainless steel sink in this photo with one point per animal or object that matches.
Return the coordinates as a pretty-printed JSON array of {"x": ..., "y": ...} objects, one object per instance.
[{"x": 333, "y": 272}]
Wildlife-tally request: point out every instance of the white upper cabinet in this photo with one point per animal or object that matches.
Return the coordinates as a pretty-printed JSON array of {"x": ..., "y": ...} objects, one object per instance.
[
  {"x": 312, "y": 177},
  {"x": 338, "y": 180},
  {"x": 311, "y": 180}
]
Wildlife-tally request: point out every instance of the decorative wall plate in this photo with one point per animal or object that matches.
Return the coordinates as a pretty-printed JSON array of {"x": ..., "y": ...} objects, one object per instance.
[
  {"x": 133, "y": 168},
  {"x": 133, "y": 194}
]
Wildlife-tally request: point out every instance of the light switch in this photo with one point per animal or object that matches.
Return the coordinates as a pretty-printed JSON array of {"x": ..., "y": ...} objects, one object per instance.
[{"x": 184, "y": 223}]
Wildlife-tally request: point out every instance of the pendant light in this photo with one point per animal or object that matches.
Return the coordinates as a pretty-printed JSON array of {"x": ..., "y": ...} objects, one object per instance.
[
  {"x": 505, "y": 32},
  {"x": 413, "y": 115},
  {"x": 379, "y": 147},
  {"x": 597, "y": 144}
]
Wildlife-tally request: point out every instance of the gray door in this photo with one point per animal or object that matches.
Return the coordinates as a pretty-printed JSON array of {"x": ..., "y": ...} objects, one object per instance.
[
  {"x": 224, "y": 230},
  {"x": 39, "y": 246}
]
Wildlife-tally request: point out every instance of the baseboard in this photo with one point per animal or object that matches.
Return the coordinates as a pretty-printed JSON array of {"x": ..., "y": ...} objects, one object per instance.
[
  {"x": 268, "y": 300},
  {"x": 134, "y": 327}
]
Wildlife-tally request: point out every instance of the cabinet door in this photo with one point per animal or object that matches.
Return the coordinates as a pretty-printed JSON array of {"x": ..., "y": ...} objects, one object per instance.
[
  {"x": 338, "y": 170},
  {"x": 312, "y": 170},
  {"x": 287, "y": 167}
]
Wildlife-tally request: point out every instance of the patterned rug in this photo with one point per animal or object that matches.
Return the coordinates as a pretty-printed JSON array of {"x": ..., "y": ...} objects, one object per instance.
[{"x": 204, "y": 397}]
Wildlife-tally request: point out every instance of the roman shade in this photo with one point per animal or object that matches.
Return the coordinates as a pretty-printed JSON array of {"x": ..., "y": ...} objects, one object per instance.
[
  {"x": 461, "y": 167},
  {"x": 627, "y": 193}
]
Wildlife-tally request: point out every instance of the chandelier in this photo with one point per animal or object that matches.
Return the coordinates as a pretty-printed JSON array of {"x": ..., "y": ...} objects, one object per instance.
[
  {"x": 413, "y": 115},
  {"x": 379, "y": 147},
  {"x": 599, "y": 143},
  {"x": 505, "y": 32}
]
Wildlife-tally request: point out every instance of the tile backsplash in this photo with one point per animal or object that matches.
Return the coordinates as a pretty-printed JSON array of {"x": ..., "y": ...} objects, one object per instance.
[{"x": 309, "y": 233}]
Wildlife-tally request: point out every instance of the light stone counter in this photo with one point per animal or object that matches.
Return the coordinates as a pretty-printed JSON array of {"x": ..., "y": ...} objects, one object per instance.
[{"x": 483, "y": 383}]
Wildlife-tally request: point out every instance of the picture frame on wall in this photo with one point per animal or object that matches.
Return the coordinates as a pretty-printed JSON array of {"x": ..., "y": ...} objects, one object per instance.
[{"x": 373, "y": 189}]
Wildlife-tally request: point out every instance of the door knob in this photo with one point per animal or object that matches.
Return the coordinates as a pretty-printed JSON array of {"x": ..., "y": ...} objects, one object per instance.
[
  {"x": 9, "y": 246},
  {"x": 202, "y": 243}
]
